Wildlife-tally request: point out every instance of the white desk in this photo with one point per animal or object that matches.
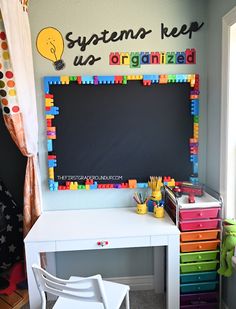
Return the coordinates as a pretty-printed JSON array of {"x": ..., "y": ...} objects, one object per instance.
[{"x": 121, "y": 227}]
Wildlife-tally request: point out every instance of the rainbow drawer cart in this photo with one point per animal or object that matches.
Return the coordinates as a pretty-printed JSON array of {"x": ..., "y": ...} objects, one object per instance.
[{"x": 200, "y": 240}]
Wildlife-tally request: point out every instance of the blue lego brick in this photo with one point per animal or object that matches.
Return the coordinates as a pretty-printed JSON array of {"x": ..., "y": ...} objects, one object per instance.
[
  {"x": 146, "y": 56},
  {"x": 54, "y": 110},
  {"x": 183, "y": 58},
  {"x": 48, "y": 80},
  {"x": 195, "y": 168},
  {"x": 195, "y": 107},
  {"x": 94, "y": 186},
  {"x": 142, "y": 185},
  {"x": 50, "y": 148},
  {"x": 152, "y": 78},
  {"x": 52, "y": 163},
  {"x": 181, "y": 78},
  {"x": 106, "y": 79},
  {"x": 87, "y": 79},
  {"x": 53, "y": 185},
  {"x": 194, "y": 158},
  {"x": 194, "y": 180}
]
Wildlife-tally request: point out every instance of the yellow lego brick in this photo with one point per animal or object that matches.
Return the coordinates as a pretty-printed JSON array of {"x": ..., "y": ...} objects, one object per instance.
[
  {"x": 87, "y": 187},
  {"x": 134, "y": 77},
  {"x": 49, "y": 116},
  {"x": 124, "y": 58},
  {"x": 65, "y": 80},
  {"x": 51, "y": 173}
]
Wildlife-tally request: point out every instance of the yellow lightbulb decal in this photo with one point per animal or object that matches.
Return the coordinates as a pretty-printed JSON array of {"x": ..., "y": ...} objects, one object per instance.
[{"x": 50, "y": 45}]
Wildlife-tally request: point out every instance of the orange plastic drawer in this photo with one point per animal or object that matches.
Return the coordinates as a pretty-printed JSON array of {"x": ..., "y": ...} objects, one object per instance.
[
  {"x": 199, "y": 235},
  {"x": 194, "y": 225},
  {"x": 206, "y": 213},
  {"x": 199, "y": 246}
]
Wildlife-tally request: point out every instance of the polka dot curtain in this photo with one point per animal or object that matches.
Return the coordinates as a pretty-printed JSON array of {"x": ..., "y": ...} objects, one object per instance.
[{"x": 17, "y": 96}]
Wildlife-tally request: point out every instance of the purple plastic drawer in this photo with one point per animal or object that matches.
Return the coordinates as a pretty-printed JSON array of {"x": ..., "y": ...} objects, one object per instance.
[
  {"x": 192, "y": 299},
  {"x": 201, "y": 306}
]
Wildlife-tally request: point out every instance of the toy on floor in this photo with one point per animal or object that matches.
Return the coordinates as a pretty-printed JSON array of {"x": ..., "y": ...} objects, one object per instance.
[
  {"x": 17, "y": 276},
  {"x": 227, "y": 251}
]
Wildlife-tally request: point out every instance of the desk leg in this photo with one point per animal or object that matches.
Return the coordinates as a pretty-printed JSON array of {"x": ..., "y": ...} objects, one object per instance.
[
  {"x": 172, "y": 276},
  {"x": 159, "y": 266},
  {"x": 32, "y": 257}
]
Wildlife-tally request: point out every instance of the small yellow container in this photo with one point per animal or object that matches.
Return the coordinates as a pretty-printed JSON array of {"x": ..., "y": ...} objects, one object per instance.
[
  {"x": 158, "y": 212},
  {"x": 141, "y": 209}
]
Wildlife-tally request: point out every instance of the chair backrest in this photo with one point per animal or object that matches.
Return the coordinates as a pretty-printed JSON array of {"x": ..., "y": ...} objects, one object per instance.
[{"x": 88, "y": 289}]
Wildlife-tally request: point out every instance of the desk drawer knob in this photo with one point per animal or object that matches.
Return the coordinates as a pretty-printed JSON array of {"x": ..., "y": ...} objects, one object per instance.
[{"x": 102, "y": 243}]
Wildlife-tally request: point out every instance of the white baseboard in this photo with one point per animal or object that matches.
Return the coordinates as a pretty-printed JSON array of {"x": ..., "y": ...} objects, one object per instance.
[{"x": 136, "y": 283}]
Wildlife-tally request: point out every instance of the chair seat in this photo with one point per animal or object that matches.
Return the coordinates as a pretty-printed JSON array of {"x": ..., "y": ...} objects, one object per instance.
[{"x": 115, "y": 293}]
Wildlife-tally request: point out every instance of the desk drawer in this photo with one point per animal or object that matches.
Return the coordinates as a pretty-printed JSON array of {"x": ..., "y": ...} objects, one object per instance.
[
  {"x": 199, "y": 246},
  {"x": 199, "y": 235},
  {"x": 102, "y": 243},
  {"x": 198, "y": 298},
  {"x": 195, "y": 225},
  {"x": 198, "y": 287},
  {"x": 198, "y": 277},
  {"x": 198, "y": 267},
  {"x": 205, "y": 213},
  {"x": 198, "y": 256}
]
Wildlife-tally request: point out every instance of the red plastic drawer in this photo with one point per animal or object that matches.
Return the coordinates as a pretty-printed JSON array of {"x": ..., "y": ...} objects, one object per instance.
[
  {"x": 207, "y": 213},
  {"x": 199, "y": 246},
  {"x": 199, "y": 235},
  {"x": 195, "y": 225}
]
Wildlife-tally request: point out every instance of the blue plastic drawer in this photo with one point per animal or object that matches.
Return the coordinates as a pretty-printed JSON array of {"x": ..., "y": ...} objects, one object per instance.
[
  {"x": 198, "y": 287},
  {"x": 198, "y": 277}
]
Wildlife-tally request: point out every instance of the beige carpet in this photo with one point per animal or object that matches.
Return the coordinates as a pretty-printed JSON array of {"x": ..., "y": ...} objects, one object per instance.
[{"x": 138, "y": 300}]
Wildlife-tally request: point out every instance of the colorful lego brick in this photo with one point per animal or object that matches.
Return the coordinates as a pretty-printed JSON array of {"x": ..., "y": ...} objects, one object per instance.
[
  {"x": 196, "y": 119},
  {"x": 180, "y": 58},
  {"x": 162, "y": 57},
  {"x": 190, "y": 56},
  {"x": 65, "y": 80},
  {"x": 181, "y": 78},
  {"x": 147, "y": 82},
  {"x": 195, "y": 107},
  {"x": 152, "y": 78},
  {"x": 48, "y": 96},
  {"x": 194, "y": 179},
  {"x": 54, "y": 110},
  {"x": 124, "y": 59},
  {"x": 171, "y": 78},
  {"x": 117, "y": 186},
  {"x": 50, "y": 80},
  {"x": 74, "y": 185},
  {"x": 73, "y": 78},
  {"x": 124, "y": 81},
  {"x": 51, "y": 173},
  {"x": 94, "y": 186},
  {"x": 134, "y": 77},
  {"x": 49, "y": 144},
  {"x": 195, "y": 130},
  {"x": 95, "y": 80},
  {"x": 194, "y": 158},
  {"x": 163, "y": 79},
  {"x": 155, "y": 58},
  {"x": 49, "y": 102},
  {"x": 134, "y": 60},
  {"x": 87, "y": 79},
  {"x": 52, "y": 163},
  {"x": 114, "y": 58},
  {"x": 195, "y": 167},
  {"x": 81, "y": 187},
  {"x": 49, "y": 123},
  {"x": 170, "y": 58},
  {"x": 106, "y": 79},
  {"x": 49, "y": 117},
  {"x": 132, "y": 183},
  {"x": 52, "y": 157},
  {"x": 194, "y": 149},
  {"x": 118, "y": 79},
  {"x": 124, "y": 185},
  {"x": 142, "y": 185},
  {"x": 53, "y": 186},
  {"x": 79, "y": 80},
  {"x": 145, "y": 58}
]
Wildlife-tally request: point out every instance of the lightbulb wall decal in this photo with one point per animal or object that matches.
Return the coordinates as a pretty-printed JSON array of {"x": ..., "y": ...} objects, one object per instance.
[{"x": 50, "y": 45}]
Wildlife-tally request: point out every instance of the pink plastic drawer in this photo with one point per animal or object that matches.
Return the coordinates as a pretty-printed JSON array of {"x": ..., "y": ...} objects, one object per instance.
[
  {"x": 194, "y": 225},
  {"x": 207, "y": 213}
]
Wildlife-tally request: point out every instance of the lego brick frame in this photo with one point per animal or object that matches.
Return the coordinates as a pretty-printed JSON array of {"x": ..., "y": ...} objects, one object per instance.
[{"x": 52, "y": 111}]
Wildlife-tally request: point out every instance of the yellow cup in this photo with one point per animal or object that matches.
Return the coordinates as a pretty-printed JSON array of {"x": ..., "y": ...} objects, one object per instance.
[
  {"x": 141, "y": 209},
  {"x": 158, "y": 212}
]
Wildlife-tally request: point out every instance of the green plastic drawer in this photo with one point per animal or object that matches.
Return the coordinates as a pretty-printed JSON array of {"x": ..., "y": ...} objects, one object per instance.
[
  {"x": 199, "y": 277},
  {"x": 198, "y": 256},
  {"x": 198, "y": 266},
  {"x": 198, "y": 287}
]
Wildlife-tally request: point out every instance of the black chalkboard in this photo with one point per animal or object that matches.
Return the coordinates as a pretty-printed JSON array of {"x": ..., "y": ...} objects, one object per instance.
[{"x": 132, "y": 131}]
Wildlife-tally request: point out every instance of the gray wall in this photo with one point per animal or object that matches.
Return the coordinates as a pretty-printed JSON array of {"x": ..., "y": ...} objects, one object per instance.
[
  {"x": 90, "y": 16},
  {"x": 217, "y": 9}
]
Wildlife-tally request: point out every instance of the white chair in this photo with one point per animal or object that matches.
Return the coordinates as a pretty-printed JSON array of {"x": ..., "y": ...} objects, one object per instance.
[{"x": 81, "y": 293}]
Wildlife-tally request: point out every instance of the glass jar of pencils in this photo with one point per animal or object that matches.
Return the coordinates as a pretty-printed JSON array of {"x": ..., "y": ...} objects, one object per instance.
[{"x": 141, "y": 209}]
